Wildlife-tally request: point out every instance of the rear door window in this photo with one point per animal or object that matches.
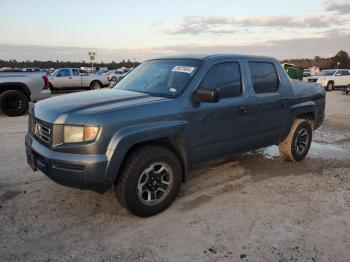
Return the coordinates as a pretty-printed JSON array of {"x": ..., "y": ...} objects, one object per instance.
[
  {"x": 264, "y": 77},
  {"x": 343, "y": 73},
  {"x": 75, "y": 72}
]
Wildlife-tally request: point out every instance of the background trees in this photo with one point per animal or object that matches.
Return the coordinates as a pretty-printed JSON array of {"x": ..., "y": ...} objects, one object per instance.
[
  {"x": 342, "y": 58},
  {"x": 324, "y": 63},
  {"x": 57, "y": 64}
]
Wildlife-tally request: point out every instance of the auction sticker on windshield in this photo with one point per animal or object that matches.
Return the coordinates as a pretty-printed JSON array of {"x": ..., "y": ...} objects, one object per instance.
[{"x": 183, "y": 69}]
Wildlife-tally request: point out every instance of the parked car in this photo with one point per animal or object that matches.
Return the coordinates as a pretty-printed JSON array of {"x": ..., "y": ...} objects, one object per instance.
[
  {"x": 17, "y": 89},
  {"x": 330, "y": 79},
  {"x": 165, "y": 117},
  {"x": 115, "y": 75},
  {"x": 74, "y": 78},
  {"x": 307, "y": 73}
]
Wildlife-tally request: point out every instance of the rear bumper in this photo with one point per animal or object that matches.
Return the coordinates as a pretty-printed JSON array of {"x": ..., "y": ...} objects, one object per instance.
[
  {"x": 42, "y": 95},
  {"x": 73, "y": 170}
]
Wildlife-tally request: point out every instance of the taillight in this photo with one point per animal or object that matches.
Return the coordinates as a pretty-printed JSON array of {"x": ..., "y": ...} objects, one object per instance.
[{"x": 46, "y": 83}]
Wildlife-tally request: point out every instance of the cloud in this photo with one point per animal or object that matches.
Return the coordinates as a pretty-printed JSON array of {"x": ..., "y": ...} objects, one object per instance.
[
  {"x": 325, "y": 46},
  {"x": 44, "y": 53},
  {"x": 195, "y": 25},
  {"x": 339, "y": 8}
]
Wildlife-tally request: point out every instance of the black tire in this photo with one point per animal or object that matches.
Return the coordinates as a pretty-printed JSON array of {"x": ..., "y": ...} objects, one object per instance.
[
  {"x": 293, "y": 148},
  {"x": 52, "y": 89},
  {"x": 95, "y": 85},
  {"x": 134, "y": 168},
  {"x": 330, "y": 86},
  {"x": 347, "y": 90},
  {"x": 14, "y": 103}
]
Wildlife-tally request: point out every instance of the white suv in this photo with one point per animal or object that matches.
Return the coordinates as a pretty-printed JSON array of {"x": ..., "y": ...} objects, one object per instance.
[{"x": 332, "y": 78}]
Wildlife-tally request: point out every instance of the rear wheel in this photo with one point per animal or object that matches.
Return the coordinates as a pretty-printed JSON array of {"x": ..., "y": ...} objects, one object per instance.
[
  {"x": 297, "y": 144},
  {"x": 330, "y": 86},
  {"x": 95, "y": 85},
  {"x": 14, "y": 103},
  {"x": 149, "y": 181},
  {"x": 346, "y": 90},
  {"x": 52, "y": 89}
]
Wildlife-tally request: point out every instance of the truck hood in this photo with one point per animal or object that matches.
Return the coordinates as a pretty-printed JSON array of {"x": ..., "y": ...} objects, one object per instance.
[{"x": 58, "y": 109}]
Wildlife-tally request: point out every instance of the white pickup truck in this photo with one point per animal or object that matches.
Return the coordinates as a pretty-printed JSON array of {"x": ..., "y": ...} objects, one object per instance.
[
  {"x": 17, "y": 89},
  {"x": 74, "y": 78},
  {"x": 330, "y": 79}
]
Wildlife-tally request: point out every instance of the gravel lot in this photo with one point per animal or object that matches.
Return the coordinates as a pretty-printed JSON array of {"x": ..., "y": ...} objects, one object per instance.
[{"x": 252, "y": 208}]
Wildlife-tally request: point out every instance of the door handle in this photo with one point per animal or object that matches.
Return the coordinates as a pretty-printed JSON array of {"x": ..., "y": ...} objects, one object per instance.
[
  {"x": 70, "y": 77},
  {"x": 285, "y": 103},
  {"x": 242, "y": 110}
]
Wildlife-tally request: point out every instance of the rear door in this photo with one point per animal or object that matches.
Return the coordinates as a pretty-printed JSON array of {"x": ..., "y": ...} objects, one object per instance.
[
  {"x": 270, "y": 99},
  {"x": 227, "y": 126},
  {"x": 342, "y": 78},
  {"x": 76, "y": 78}
]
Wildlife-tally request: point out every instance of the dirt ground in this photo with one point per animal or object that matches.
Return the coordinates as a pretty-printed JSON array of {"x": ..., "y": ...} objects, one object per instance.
[{"x": 253, "y": 208}]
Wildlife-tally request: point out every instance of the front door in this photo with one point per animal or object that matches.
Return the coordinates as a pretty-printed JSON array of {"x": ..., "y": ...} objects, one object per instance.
[
  {"x": 271, "y": 99},
  {"x": 226, "y": 126},
  {"x": 76, "y": 78},
  {"x": 63, "y": 78}
]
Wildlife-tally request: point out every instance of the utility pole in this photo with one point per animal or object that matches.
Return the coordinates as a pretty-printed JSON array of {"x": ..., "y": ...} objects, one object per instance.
[{"x": 92, "y": 58}]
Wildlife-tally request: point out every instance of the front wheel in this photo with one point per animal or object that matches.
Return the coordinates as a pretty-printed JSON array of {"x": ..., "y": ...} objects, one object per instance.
[
  {"x": 95, "y": 85},
  {"x": 297, "y": 144},
  {"x": 14, "y": 103},
  {"x": 149, "y": 181},
  {"x": 330, "y": 86}
]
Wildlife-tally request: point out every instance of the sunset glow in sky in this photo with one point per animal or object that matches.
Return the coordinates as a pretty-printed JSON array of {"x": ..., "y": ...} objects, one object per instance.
[{"x": 67, "y": 30}]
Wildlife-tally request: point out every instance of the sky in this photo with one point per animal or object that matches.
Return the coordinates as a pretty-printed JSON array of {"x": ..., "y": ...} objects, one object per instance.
[{"x": 67, "y": 30}]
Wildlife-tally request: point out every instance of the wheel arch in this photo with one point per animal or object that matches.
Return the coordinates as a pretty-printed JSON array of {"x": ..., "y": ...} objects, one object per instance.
[
  {"x": 169, "y": 135},
  {"x": 15, "y": 86},
  {"x": 95, "y": 80},
  {"x": 305, "y": 110}
]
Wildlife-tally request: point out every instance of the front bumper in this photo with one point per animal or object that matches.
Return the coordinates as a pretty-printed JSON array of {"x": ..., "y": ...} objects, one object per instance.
[{"x": 73, "y": 170}]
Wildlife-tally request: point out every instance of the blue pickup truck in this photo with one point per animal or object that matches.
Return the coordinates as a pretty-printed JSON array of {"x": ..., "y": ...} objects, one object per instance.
[{"x": 144, "y": 135}]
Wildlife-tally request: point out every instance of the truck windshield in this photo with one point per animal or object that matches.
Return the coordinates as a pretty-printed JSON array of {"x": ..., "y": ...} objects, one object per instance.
[
  {"x": 164, "y": 77},
  {"x": 326, "y": 73}
]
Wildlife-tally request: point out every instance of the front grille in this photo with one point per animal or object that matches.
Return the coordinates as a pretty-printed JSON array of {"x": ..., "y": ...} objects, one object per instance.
[{"x": 40, "y": 130}]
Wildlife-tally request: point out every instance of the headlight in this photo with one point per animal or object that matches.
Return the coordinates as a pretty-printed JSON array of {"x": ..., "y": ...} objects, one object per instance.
[{"x": 78, "y": 134}]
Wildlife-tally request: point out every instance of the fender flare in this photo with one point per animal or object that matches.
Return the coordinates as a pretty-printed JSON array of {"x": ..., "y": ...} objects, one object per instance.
[
  {"x": 15, "y": 86},
  {"x": 124, "y": 139},
  {"x": 297, "y": 110},
  {"x": 96, "y": 80}
]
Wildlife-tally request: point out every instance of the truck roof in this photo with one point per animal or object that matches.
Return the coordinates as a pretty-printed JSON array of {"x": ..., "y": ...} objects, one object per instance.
[{"x": 215, "y": 56}]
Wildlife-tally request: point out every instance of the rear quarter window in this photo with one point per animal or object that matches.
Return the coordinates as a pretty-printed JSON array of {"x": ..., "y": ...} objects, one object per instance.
[{"x": 264, "y": 77}]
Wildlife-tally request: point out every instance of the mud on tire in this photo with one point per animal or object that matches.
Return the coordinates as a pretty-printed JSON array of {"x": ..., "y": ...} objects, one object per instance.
[
  {"x": 149, "y": 181},
  {"x": 297, "y": 144}
]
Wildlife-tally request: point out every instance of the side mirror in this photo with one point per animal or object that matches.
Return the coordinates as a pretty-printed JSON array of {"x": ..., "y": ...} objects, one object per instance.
[
  {"x": 204, "y": 95},
  {"x": 58, "y": 75}
]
